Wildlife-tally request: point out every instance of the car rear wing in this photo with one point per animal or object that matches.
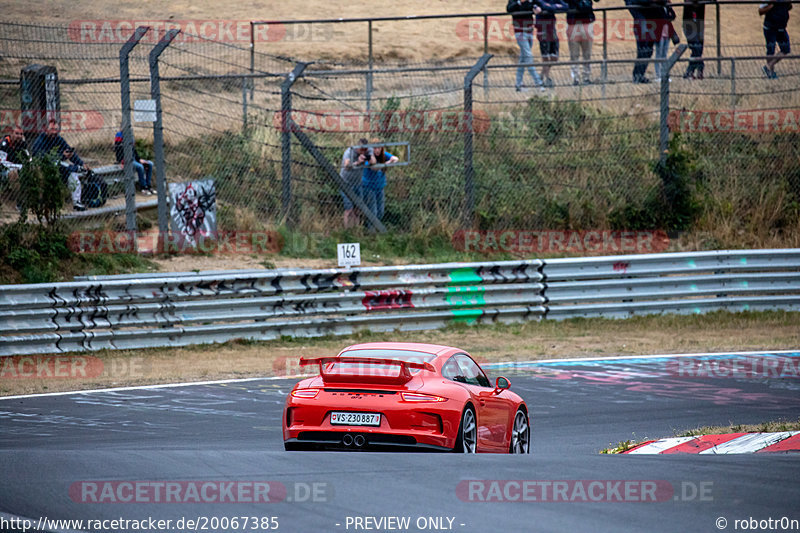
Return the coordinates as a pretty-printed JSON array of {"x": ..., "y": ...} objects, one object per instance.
[{"x": 326, "y": 363}]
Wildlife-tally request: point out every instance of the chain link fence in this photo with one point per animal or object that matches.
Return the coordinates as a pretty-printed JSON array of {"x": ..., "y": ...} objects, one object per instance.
[{"x": 484, "y": 156}]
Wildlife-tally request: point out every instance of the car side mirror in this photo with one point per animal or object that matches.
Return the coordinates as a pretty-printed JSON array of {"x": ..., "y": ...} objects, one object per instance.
[{"x": 501, "y": 384}]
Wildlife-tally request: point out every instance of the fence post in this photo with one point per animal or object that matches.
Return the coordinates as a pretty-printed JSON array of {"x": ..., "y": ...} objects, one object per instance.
[
  {"x": 158, "y": 135},
  {"x": 370, "y": 64},
  {"x": 469, "y": 170},
  {"x": 244, "y": 104},
  {"x": 485, "y": 51},
  {"x": 666, "y": 68},
  {"x": 286, "y": 140},
  {"x": 733, "y": 84},
  {"x": 719, "y": 41},
  {"x": 252, "y": 57},
  {"x": 127, "y": 130}
]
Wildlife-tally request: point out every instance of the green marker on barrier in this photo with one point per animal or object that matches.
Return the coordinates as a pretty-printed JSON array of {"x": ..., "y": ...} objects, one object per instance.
[
  {"x": 467, "y": 296},
  {"x": 464, "y": 276},
  {"x": 467, "y": 316}
]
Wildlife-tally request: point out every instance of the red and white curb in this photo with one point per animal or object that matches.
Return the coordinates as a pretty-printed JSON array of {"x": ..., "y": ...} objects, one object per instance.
[{"x": 783, "y": 441}]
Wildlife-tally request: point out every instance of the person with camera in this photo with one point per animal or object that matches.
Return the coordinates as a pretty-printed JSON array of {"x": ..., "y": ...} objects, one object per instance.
[
  {"x": 373, "y": 180},
  {"x": 71, "y": 165},
  {"x": 353, "y": 162},
  {"x": 580, "y": 34}
]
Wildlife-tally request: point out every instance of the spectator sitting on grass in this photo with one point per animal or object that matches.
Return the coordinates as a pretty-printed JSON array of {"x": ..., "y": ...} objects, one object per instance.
[
  {"x": 776, "y": 17},
  {"x": 49, "y": 142}
]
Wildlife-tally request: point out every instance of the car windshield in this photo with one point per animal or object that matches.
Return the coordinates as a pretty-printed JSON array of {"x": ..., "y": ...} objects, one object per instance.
[{"x": 403, "y": 355}]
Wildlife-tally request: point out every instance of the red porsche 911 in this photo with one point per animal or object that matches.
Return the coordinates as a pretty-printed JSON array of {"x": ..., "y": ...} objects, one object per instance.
[{"x": 393, "y": 395}]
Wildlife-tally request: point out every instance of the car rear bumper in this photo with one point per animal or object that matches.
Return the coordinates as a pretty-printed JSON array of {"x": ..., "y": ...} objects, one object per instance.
[{"x": 351, "y": 439}]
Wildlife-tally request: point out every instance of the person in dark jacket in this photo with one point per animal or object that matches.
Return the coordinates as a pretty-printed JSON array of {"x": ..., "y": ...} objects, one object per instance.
[
  {"x": 15, "y": 147},
  {"x": 580, "y": 34},
  {"x": 522, "y": 16},
  {"x": 776, "y": 17},
  {"x": 694, "y": 15},
  {"x": 647, "y": 27},
  {"x": 71, "y": 164},
  {"x": 547, "y": 35}
]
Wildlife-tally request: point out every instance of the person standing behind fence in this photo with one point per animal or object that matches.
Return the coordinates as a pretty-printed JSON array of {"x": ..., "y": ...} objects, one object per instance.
[
  {"x": 776, "y": 17},
  {"x": 694, "y": 26},
  {"x": 547, "y": 35},
  {"x": 665, "y": 32},
  {"x": 646, "y": 14},
  {"x": 580, "y": 35},
  {"x": 523, "y": 33},
  {"x": 352, "y": 169},
  {"x": 373, "y": 180}
]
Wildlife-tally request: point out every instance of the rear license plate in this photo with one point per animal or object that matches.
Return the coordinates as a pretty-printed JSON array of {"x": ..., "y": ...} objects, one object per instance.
[{"x": 355, "y": 419}]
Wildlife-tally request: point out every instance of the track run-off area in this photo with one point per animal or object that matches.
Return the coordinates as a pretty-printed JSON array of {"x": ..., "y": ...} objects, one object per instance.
[{"x": 206, "y": 453}]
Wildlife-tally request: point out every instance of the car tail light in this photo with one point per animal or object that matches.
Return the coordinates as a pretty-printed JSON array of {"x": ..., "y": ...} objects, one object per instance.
[
  {"x": 305, "y": 393},
  {"x": 420, "y": 397}
]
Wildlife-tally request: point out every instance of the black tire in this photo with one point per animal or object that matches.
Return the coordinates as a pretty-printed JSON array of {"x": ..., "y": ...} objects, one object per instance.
[
  {"x": 466, "y": 435},
  {"x": 520, "y": 433}
]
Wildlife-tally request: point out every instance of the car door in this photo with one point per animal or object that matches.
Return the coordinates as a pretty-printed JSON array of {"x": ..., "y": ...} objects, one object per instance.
[{"x": 492, "y": 409}]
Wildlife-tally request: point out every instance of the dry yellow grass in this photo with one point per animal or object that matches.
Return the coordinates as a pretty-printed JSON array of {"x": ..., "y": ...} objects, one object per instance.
[{"x": 414, "y": 41}]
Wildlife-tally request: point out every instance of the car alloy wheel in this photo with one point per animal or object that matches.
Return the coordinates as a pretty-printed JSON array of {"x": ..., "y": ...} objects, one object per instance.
[
  {"x": 520, "y": 434},
  {"x": 469, "y": 432}
]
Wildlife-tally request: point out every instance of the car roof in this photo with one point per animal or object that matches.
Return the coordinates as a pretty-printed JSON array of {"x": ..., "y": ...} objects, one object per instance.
[{"x": 433, "y": 349}]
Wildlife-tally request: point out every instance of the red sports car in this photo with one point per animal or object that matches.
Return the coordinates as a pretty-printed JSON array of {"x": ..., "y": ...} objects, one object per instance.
[{"x": 387, "y": 395}]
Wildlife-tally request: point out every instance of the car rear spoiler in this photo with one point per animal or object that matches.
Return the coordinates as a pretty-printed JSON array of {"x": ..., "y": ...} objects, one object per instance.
[{"x": 403, "y": 377}]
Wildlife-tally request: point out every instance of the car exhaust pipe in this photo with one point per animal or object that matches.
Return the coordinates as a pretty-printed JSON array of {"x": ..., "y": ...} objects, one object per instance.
[
  {"x": 359, "y": 441},
  {"x": 347, "y": 440}
]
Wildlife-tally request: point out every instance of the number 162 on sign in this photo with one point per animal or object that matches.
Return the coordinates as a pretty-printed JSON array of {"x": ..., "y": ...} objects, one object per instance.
[{"x": 349, "y": 254}]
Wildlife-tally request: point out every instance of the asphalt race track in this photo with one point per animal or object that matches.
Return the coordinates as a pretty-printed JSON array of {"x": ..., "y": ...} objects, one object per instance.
[{"x": 53, "y": 447}]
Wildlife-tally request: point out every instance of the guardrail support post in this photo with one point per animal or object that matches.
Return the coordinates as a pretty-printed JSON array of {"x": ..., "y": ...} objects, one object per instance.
[
  {"x": 127, "y": 130},
  {"x": 469, "y": 170},
  {"x": 666, "y": 69},
  {"x": 286, "y": 141},
  {"x": 158, "y": 135}
]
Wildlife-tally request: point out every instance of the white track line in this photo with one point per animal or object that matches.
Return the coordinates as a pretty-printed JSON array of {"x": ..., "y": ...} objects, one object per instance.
[{"x": 488, "y": 365}]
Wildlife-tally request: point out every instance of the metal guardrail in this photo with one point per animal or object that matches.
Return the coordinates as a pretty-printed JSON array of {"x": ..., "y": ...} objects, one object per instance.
[{"x": 153, "y": 310}]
